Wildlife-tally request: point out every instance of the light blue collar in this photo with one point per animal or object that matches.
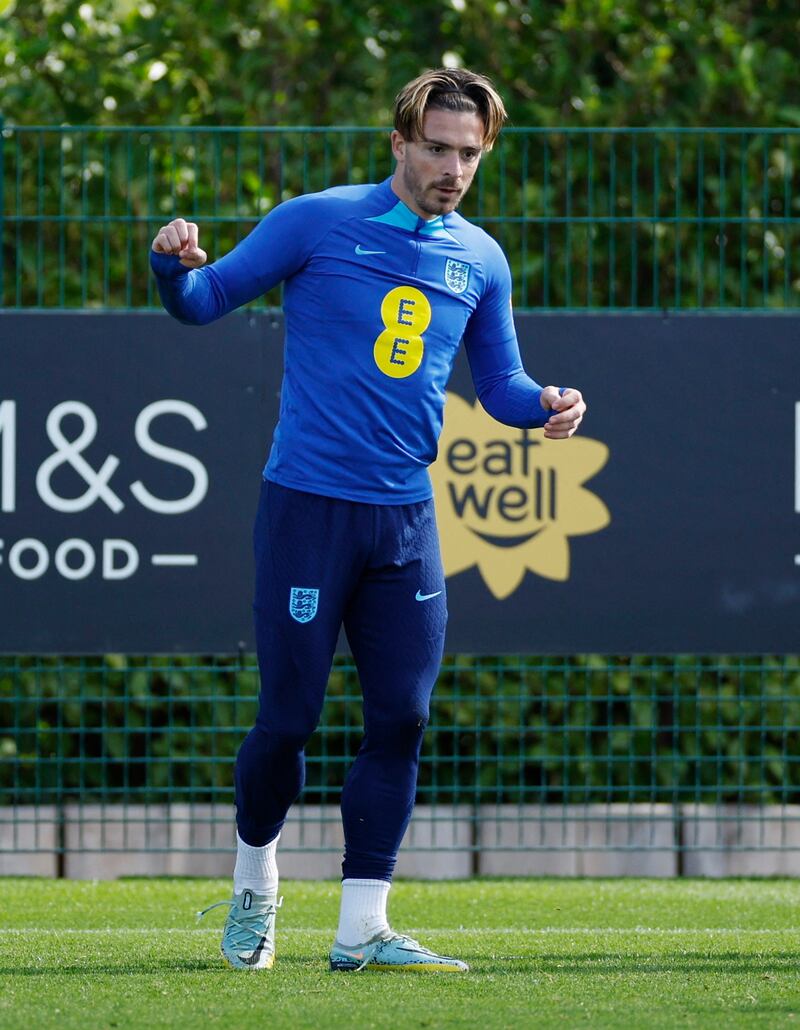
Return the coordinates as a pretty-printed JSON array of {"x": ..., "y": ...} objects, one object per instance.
[{"x": 402, "y": 217}]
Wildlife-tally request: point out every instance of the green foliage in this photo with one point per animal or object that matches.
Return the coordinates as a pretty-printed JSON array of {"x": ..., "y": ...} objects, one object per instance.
[
  {"x": 284, "y": 62},
  {"x": 588, "y": 220},
  {"x": 595, "y": 221},
  {"x": 503, "y": 730}
]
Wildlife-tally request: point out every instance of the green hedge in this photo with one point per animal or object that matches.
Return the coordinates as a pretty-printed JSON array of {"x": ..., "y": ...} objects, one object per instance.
[
  {"x": 585, "y": 728},
  {"x": 678, "y": 219}
]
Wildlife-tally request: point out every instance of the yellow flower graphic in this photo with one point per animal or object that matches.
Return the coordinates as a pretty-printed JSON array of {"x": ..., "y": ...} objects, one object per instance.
[{"x": 507, "y": 500}]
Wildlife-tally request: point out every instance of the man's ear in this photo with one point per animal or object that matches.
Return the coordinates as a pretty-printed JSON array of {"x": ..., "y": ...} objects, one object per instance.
[{"x": 398, "y": 145}]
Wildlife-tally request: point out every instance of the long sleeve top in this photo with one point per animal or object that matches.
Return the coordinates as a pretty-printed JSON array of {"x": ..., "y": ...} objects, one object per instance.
[{"x": 376, "y": 301}]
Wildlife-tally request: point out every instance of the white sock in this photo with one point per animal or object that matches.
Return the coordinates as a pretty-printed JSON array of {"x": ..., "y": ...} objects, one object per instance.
[
  {"x": 256, "y": 869},
  {"x": 363, "y": 912}
]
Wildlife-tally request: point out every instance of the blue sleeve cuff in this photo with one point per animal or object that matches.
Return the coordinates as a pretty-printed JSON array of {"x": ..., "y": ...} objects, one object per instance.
[
  {"x": 514, "y": 400},
  {"x": 167, "y": 266},
  {"x": 543, "y": 414}
]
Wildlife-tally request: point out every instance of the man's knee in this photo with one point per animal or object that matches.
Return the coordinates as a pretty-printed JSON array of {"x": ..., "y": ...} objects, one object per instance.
[
  {"x": 401, "y": 735},
  {"x": 280, "y": 741}
]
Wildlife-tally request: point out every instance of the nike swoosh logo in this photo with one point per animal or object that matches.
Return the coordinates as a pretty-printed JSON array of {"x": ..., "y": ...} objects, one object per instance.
[
  {"x": 256, "y": 954},
  {"x": 363, "y": 253},
  {"x": 427, "y": 597},
  {"x": 353, "y": 954}
]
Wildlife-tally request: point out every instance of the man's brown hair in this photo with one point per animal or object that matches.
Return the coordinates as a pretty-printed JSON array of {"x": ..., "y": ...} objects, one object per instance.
[{"x": 449, "y": 89}]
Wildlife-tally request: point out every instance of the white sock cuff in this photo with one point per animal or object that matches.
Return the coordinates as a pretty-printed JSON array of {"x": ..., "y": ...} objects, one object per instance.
[
  {"x": 259, "y": 848},
  {"x": 256, "y": 868},
  {"x": 362, "y": 915}
]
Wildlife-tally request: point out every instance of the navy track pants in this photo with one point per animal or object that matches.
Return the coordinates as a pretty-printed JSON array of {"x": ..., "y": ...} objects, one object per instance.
[{"x": 322, "y": 562}]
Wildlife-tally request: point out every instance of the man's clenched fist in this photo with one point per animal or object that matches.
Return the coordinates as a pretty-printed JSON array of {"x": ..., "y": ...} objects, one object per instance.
[
  {"x": 180, "y": 237},
  {"x": 568, "y": 407}
]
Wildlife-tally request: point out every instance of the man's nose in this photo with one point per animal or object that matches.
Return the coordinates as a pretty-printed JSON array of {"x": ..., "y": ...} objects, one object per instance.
[{"x": 453, "y": 166}]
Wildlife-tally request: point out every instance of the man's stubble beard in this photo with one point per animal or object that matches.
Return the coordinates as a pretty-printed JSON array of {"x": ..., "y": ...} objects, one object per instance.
[{"x": 414, "y": 186}]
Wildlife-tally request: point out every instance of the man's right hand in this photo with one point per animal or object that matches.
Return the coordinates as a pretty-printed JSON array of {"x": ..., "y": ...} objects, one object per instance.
[{"x": 180, "y": 237}]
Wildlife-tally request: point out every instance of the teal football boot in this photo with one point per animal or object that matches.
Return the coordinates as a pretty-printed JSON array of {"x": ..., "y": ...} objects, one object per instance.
[
  {"x": 393, "y": 953},
  {"x": 248, "y": 937}
]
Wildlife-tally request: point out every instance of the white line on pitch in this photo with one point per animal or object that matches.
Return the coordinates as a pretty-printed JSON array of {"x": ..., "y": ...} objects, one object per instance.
[
  {"x": 174, "y": 559},
  {"x": 504, "y": 930}
]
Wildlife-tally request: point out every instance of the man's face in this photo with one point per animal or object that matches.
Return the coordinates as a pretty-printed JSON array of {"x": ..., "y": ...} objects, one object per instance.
[{"x": 435, "y": 172}]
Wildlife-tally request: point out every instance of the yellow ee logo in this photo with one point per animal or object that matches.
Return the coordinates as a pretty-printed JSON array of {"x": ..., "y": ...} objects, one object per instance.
[{"x": 406, "y": 313}]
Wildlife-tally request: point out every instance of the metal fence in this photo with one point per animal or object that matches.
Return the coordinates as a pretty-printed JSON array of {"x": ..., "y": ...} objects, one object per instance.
[
  {"x": 645, "y": 758},
  {"x": 590, "y": 218},
  {"x": 583, "y": 764}
]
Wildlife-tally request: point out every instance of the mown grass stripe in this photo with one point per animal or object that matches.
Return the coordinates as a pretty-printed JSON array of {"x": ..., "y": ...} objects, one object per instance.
[{"x": 504, "y": 930}]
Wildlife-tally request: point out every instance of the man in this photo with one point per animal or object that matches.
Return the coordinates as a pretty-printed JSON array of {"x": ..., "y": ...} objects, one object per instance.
[{"x": 381, "y": 284}]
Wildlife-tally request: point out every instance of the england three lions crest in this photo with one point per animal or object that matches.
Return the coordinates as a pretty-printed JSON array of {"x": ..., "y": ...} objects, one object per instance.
[
  {"x": 456, "y": 275},
  {"x": 303, "y": 602}
]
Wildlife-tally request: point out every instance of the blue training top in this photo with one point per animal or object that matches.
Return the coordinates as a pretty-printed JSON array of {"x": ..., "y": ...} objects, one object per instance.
[{"x": 377, "y": 301}]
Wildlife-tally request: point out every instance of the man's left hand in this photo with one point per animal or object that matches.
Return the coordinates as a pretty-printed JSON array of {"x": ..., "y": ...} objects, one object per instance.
[{"x": 568, "y": 409}]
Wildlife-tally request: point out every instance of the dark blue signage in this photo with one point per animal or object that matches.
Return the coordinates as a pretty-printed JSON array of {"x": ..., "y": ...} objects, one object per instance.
[{"x": 131, "y": 450}]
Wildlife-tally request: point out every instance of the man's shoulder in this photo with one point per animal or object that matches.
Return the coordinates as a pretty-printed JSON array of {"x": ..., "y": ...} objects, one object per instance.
[
  {"x": 310, "y": 216},
  {"x": 336, "y": 201},
  {"x": 353, "y": 194},
  {"x": 474, "y": 238}
]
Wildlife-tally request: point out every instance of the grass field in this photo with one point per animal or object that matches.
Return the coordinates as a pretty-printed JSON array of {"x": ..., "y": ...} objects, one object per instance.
[{"x": 602, "y": 953}]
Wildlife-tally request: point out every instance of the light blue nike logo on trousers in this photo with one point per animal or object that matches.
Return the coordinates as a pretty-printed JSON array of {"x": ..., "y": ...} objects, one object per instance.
[{"x": 427, "y": 597}]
